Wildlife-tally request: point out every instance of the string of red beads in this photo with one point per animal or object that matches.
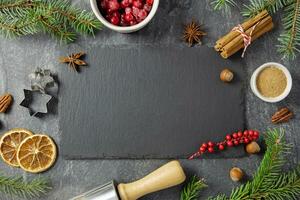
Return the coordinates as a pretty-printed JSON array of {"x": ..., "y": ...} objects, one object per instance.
[{"x": 231, "y": 140}]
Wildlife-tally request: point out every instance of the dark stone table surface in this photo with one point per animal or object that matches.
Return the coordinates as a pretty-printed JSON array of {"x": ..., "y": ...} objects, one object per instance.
[{"x": 19, "y": 57}]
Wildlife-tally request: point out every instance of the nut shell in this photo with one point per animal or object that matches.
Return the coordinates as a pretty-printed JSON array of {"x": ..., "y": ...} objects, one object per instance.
[
  {"x": 252, "y": 148},
  {"x": 5, "y": 102},
  {"x": 226, "y": 75},
  {"x": 236, "y": 174}
]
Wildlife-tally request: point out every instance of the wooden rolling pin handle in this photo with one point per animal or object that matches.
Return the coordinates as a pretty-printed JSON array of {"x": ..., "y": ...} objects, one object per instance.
[{"x": 166, "y": 176}]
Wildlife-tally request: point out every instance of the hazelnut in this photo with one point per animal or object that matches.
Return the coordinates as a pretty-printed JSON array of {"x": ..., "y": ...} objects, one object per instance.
[
  {"x": 226, "y": 75},
  {"x": 252, "y": 148},
  {"x": 236, "y": 174}
]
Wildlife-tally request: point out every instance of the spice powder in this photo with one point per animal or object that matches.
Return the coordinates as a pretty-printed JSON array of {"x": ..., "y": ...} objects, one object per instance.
[{"x": 271, "y": 82}]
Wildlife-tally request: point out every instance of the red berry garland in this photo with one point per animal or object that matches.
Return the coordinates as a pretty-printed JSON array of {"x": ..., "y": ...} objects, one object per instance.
[{"x": 230, "y": 140}]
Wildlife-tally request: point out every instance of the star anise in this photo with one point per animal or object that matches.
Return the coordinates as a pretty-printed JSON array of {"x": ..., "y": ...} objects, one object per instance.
[
  {"x": 74, "y": 60},
  {"x": 192, "y": 33}
]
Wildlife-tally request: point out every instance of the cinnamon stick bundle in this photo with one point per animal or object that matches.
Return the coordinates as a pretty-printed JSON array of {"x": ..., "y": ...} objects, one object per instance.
[{"x": 254, "y": 27}]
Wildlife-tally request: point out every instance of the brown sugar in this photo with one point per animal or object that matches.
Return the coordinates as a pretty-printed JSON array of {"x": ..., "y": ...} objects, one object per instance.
[{"x": 271, "y": 82}]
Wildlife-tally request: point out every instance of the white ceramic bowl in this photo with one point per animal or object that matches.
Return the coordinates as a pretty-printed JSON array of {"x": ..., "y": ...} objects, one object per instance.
[
  {"x": 271, "y": 99},
  {"x": 127, "y": 29}
]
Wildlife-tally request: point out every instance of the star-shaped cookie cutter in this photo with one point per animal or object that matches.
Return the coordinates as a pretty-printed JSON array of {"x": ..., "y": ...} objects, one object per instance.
[{"x": 36, "y": 102}]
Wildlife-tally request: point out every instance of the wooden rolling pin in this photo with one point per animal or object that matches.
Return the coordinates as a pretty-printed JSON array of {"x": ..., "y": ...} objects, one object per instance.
[{"x": 168, "y": 175}]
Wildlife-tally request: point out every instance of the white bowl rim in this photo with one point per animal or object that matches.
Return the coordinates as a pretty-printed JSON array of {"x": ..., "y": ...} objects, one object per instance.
[
  {"x": 271, "y": 99},
  {"x": 133, "y": 28}
]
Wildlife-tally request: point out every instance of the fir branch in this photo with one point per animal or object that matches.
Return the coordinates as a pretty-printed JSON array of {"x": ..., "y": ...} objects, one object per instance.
[
  {"x": 17, "y": 186},
  {"x": 80, "y": 20},
  {"x": 289, "y": 184},
  {"x": 192, "y": 189},
  {"x": 55, "y": 29},
  {"x": 274, "y": 159},
  {"x": 219, "y": 197},
  {"x": 289, "y": 40},
  {"x": 256, "y": 6},
  {"x": 223, "y": 4},
  {"x": 8, "y": 4},
  {"x": 58, "y": 18},
  {"x": 269, "y": 182}
]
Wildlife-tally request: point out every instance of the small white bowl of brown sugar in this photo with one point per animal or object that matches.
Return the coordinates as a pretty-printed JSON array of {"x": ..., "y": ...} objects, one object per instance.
[{"x": 271, "y": 82}]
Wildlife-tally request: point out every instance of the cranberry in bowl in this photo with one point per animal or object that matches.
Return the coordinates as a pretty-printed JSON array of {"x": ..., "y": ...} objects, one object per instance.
[{"x": 124, "y": 16}]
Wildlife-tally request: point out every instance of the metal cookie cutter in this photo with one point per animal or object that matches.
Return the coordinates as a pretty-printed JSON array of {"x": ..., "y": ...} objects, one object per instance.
[{"x": 35, "y": 102}]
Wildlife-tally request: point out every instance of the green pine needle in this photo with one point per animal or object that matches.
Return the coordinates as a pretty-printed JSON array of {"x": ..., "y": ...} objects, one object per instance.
[
  {"x": 57, "y": 18},
  {"x": 219, "y": 197},
  {"x": 192, "y": 189},
  {"x": 269, "y": 182},
  {"x": 289, "y": 40},
  {"x": 17, "y": 186},
  {"x": 223, "y": 4},
  {"x": 256, "y": 6}
]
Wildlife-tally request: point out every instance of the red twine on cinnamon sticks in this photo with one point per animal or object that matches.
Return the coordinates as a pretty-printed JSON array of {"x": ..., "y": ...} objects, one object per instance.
[{"x": 247, "y": 38}]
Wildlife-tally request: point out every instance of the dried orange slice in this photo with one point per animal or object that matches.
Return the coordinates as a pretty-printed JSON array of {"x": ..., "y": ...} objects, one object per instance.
[
  {"x": 9, "y": 145},
  {"x": 36, "y": 153}
]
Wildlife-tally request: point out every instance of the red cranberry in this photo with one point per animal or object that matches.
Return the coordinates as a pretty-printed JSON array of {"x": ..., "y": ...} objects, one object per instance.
[
  {"x": 236, "y": 142},
  {"x": 149, "y": 2},
  {"x": 128, "y": 17},
  {"x": 228, "y": 137},
  {"x": 210, "y": 149},
  {"x": 123, "y": 21},
  {"x": 245, "y": 133},
  {"x": 117, "y": 14},
  {"x": 255, "y": 133},
  {"x": 202, "y": 149},
  {"x": 221, "y": 147},
  {"x": 125, "y": 12},
  {"x": 128, "y": 10},
  {"x": 109, "y": 11},
  {"x": 135, "y": 11},
  {"x": 133, "y": 22},
  {"x": 142, "y": 14},
  {"x": 235, "y": 135},
  {"x": 137, "y": 3},
  {"x": 125, "y": 4},
  {"x": 250, "y": 133},
  {"x": 147, "y": 7},
  {"x": 210, "y": 144},
  {"x": 113, "y": 5},
  {"x": 204, "y": 145},
  {"x": 229, "y": 143},
  {"x": 240, "y": 134},
  {"x": 115, "y": 20},
  {"x": 255, "y": 137},
  {"x": 103, "y": 4},
  {"x": 246, "y": 140}
]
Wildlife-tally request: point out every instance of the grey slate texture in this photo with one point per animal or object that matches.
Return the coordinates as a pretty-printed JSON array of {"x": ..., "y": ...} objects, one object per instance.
[
  {"x": 20, "y": 57},
  {"x": 146, "y": 102}
]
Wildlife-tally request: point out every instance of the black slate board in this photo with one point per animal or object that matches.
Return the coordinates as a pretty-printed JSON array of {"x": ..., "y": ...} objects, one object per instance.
[{"x": 148, "y": 102}]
